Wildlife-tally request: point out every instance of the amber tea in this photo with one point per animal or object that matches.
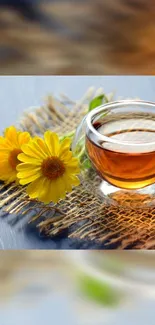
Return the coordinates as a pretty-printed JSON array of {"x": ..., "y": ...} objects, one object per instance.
[{"x": 126, "y": 158}]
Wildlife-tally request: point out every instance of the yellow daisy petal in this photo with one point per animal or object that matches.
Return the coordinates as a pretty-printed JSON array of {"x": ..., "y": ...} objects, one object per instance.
[
  {"x": 31, "y": 151},
  {"x": 58, "y": 189},
  {"x": 56, "y": 192},
  {"x": 66, "y": 156},
  {"x": 43, "y": 145},
  {"x": 27, "y": 159},
  {"x": 52, "y": 142},
  {"x": 28, "y": 173},
  {"x": 10, "y": 179},
  {"x": 45, "y": 190},
  {"x": 71, "y": 170},
  {"x": 39, "y": 148},
  {"x": 30, "y": 179},
  {"x": 4, "y": 145},
  {"x": 75, "y": 180},
  {"x": 61, "y": 185},
  {"x": 72, "y": 166},
  {"x": 11, "y": 133},
  {"x": 2, "y": 139},
  {"x": 51, "y": 194},
  {"x": 34, "y": 188},
  {"x": 42, "y": 187},
  {"x": 73, "y": 163},
  {"x": 65, "y": 145},
  {"x": 10, "y": 147},
  {"x": 68, "y": 185},
  {"x": 8, "y": 174},
  {"x": 5, "y": 168},
  {"x": 25, "y": 167},
  {"x": 48, "y": 196},
  {"x": 23, "y": 138},
  {"x": 3, "y": 162}
]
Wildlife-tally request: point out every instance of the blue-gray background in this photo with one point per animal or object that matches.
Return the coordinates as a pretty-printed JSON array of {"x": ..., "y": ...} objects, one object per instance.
[{"x": 18, "y": 93}]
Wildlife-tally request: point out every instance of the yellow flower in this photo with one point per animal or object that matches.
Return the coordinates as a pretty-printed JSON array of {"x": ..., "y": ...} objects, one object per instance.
[
  {"x": 10, "y": 147},
  {"x": 49, "y": 168}
]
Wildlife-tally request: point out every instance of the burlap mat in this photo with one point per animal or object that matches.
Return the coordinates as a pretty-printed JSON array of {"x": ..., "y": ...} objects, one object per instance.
[{"x": 83, "y": 214}]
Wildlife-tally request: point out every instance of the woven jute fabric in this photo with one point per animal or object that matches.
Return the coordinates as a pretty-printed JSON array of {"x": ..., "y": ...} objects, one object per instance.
[{"x": 83, "y": 214}]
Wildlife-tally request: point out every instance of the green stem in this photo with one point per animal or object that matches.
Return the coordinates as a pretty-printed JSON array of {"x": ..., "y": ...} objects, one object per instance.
[
  {"x": 81, "y": 153},
  {"x": 67, "y": 135}
]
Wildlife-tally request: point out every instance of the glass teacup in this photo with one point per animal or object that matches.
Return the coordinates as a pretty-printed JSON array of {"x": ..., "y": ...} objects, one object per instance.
[{"x": 120, "y": 143}]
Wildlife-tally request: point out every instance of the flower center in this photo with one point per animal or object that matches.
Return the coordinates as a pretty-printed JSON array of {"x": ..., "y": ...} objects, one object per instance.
[
  {"x": 53, "y": 168},
  {"x": 13, "y": 158}
]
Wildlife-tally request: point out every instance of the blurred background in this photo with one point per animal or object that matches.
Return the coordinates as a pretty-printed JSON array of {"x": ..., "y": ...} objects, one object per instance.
[
  {"x": 78, "y": 288},
  {"x": 70, "y": 37}
]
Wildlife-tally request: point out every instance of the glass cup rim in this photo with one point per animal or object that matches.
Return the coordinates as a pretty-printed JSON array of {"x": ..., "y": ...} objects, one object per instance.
[{"x": 116, "y": 104}]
